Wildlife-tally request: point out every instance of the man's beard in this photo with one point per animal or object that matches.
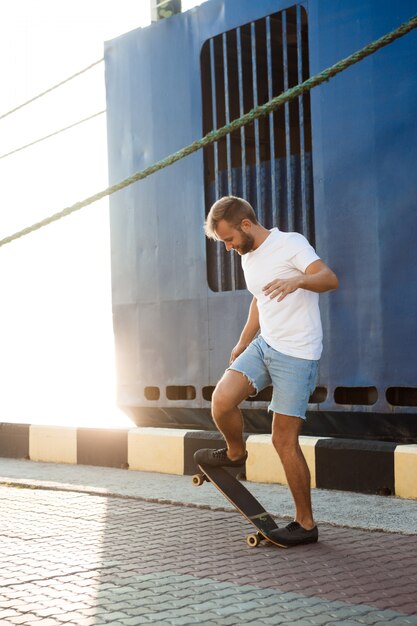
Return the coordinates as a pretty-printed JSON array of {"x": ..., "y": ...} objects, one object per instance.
[{"x": 246, "y": 245}]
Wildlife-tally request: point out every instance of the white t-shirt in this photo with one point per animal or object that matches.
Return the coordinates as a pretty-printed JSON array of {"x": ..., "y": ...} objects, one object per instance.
[{"x": 292, "y": 326}]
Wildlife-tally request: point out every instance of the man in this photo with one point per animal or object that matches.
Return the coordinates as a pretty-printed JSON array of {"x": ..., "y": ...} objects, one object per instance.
[{"x": 285, "y": 276}]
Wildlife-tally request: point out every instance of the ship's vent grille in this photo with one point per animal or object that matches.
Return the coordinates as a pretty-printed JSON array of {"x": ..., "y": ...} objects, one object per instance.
[{"x": 268, "y": 162}]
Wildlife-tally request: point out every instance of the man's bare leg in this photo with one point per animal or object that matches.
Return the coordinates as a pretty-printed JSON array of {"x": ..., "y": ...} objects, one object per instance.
[
  {"x": 230, "y": 391},
  {"x": 285, "y": 433}
]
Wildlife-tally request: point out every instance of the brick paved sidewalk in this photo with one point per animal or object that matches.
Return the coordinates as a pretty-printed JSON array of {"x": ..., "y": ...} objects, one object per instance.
[
  {"x": 340, "y": 508},
  {"x": 80, "y": 559}
]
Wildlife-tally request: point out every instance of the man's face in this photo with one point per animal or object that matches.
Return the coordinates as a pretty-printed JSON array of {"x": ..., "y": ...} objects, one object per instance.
[{"x": 234, "y": 237}]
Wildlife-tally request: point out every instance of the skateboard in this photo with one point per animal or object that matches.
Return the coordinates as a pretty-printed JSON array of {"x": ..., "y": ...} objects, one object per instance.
[{"x": 242, "y": 500}]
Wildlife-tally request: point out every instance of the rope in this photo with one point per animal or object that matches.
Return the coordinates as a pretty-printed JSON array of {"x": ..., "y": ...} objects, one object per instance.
[
  {"x": 50, "y": 89},
  {"x": 57, "y": 132},
  {"x": 215, "y": 135}
]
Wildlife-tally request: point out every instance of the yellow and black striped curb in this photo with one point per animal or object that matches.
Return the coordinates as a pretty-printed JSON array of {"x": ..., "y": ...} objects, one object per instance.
[{"x": 372, "y": 467}]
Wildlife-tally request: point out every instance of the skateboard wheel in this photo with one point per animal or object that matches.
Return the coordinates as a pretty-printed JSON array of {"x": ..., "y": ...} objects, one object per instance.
[
  {"x": 254, "y": 540},
  {"x": 198, "y": 479}
]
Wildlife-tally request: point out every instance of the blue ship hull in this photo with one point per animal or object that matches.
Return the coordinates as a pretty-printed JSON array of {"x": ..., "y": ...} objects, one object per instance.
[{"x": 343, "y": 172}]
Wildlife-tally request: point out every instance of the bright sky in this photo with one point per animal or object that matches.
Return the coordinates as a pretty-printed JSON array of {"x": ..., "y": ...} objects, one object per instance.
[{"x": 56, "y": 338}]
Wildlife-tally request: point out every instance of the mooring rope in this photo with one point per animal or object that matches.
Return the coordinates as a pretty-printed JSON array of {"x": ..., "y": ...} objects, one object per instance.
[
  {"x": 57, "y": 132},
  {"x": 51, "y": 88},
  {"x": 215, "y": 135}
]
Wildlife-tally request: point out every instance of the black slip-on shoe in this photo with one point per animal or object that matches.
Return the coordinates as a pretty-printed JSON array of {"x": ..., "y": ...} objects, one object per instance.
[
  {"x": 217, "y": 458},
  {"x": 294, "y": 534}
]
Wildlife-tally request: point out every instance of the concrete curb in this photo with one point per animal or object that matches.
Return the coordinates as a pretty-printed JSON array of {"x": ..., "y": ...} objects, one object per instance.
[{"x": 371, "y": 467}]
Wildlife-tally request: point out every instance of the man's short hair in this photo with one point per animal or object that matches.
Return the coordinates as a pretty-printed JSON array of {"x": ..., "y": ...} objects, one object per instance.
[{"x": 231, "y": 209}]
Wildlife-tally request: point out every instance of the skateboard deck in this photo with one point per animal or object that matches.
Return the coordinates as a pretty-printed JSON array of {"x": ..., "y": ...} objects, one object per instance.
[{"x": 242, "y": 500}]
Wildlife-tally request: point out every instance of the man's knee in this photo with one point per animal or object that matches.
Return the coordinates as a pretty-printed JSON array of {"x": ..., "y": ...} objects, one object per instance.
[
  {"x": 221, "y": 401},
  {"x": 285, "y": 433},
  {"x": 230, "y": 391},
  {"x": 282, "y": 443}
]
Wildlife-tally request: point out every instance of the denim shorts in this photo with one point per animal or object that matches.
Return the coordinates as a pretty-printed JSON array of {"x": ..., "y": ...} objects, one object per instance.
[{"x": 293, "y": 379}]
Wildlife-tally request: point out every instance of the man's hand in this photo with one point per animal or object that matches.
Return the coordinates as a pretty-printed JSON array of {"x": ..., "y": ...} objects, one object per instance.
[
  {"x": 279, "y": 288},
  {"x": 318, "y": 277},
  {"x": 238, "y": 349}
]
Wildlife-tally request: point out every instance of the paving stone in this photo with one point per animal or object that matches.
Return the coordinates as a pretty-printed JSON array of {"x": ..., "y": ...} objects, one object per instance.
[{"x": 81, "y": 559}]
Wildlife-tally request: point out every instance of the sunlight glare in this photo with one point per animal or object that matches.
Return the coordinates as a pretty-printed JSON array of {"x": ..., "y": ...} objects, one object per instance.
[{"x": 56, "y": 338}]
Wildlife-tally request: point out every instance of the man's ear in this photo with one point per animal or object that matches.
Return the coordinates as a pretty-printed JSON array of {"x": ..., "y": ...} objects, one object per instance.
[{"x": 246, "y": 225}]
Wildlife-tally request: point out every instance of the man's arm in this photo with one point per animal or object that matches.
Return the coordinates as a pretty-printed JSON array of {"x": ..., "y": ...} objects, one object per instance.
[
  {"x": 318, "y": 277},
  {"x": 249, "y": 331}
]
